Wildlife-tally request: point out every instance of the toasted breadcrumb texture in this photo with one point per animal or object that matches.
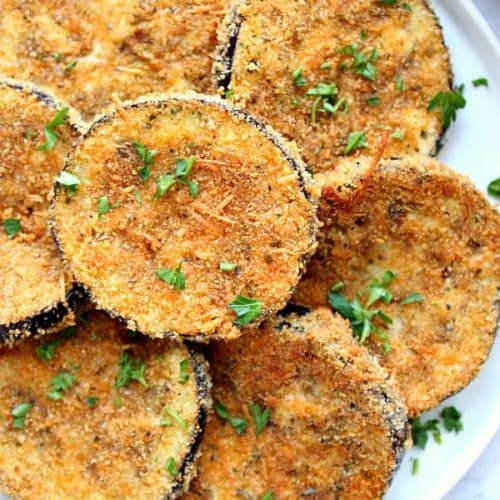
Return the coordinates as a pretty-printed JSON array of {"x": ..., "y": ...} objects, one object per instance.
[
  {"x": 33, "y": 288},
  {"x": 387, "y": 62},
  {"x": 93, "y": 51},
  {"x": 117, "y": 444},
  {"x": 336, "y": 428},
  {"x": 439, "y": 235},
  {"x": 253, "y": 210}
]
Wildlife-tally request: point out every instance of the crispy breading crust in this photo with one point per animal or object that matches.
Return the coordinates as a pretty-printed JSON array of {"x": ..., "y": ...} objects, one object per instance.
[
  {"x": 439, "y": 234},
  {"x": 92, "y": 51},
  {"x": 254, "y": 209},
  {"x": 263, "y": 42},
  {"x": 34, "y": 293},
  {"x": 71, "y": 450},
  {"x": 337, "y": 427}
]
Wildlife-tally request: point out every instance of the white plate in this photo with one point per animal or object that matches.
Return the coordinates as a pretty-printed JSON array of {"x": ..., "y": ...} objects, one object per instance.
[{"x": 472, "y": 148}]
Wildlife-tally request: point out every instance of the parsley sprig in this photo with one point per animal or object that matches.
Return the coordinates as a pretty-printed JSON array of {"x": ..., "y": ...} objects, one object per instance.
[
  {"x": 70, "y": 182},
  {"x": 246, "y": 310},
  {"x": 147, "y": 156},
  {"x": 239, "y": 424},
  {"x": 60, "y": 384},
  {"x": 260, "y": 416},
  {"x": 361, "y": 63},
  {"x": 51, "y": 136},
  {"x": 175, "y": 278},
  {"x": 129, "y": 370},
  {"x": 449, "y": 103},
  {"x": 355, "y": 140},
  {"x": 326, "y": 95}
]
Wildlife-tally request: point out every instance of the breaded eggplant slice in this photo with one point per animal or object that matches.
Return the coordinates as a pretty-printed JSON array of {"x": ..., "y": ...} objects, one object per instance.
[
  {"x": 33, "y": 292},
  {"x": 90, "y": 50},
  {"x": 440, "y": 236},
  {"x": 98, "y": 411},
  {"x": 215, "y": 248},
  {"x": 319, "y": 71},
  {"x": 336, "y": 428}
]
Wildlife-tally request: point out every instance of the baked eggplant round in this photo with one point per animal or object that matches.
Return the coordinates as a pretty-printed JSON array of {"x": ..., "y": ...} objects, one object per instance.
[
  {"x": 97, "y": 411},
  {"x": 437, "y": 233},
  {"x": 301, "y": 410},
  {"x": 36, "y": 133},
  {"x": 192, "y": 219},
  {"x": 340, "y": 78},
  {"x": 89, "y": 51}
]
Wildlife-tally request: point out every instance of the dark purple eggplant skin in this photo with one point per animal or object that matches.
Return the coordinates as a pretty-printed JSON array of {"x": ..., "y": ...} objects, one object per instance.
[
  {"x": 164, "y": 100},
  {"x": 222, "y": 69},
  {"x": 52, "y": 314}
]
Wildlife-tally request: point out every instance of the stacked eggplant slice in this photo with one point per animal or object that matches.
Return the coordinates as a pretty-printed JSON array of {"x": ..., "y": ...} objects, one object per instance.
[{"x": 282, "y": 244}]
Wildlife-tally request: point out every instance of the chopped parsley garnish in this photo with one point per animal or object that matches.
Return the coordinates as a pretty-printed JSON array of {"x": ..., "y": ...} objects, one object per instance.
[
  {"x": 260, "y": 415},
  {"x": 361, "y": 317},
  {"x": 57, "y": 56},
  {"x": 227, "y": 267},
  {"x": 184, "y": 371},
  {"x": 11, "y": 226},
  {"x": 411, "y": 298},
  {"x": 49, "y": 131},
  {"x": 174, "y": 278},
  {"x": 494, "y": 188},
  {"x": 362, "y": 34},
  {"x": 400, "y": 84},
  {"x": 398, "y": 134},
  {"x": 147, "y": 156},
  {"x": 298, "y": 78},
  {"x": 70, "y": 66},
  {"x": 103, "y": 206},
  {"x": 194, "y": 188},
  {"x": 326, "y": 95},
  {"x": 449, "y": 103},
  {"x": 165, "y": 182},
  {"x": 171, "y": 466},
  {"x": 92, "y": 401},
  {"x": 325, "y": 66},
  {"x": 129, "y": 370},
  {"x": 60, "y": 383},
  {"x": 414, "y": 466},
  {"x": 480, "y": 82},
  {"x": 269, "y": 495},
  {"x": 406, "y": 6},
  {"x": 361, "y": 62},
  {"x": 246, "y": 310},
  {"x": 70, "y": 182},
  {"x": 183, "y": 168},
  {"x": 356, "y": 140},
  {"x": 296, "y": 101},
  {"x": 29, "y": 133},
  {"x": 420, "y": 430},
  {"x": 46, "y": 350},
  {"x": 20, "y": 413},
  {"x": 239, "y": 424},
  {"x": 229, "y": 92},
  {"x": 172, "y": 413},
  {"x": 373, "y": 100},
  {"x": 451, "y": 419}
]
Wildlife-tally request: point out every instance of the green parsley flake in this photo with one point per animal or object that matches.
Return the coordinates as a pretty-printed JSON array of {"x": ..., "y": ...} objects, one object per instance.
[
  {"x": 239, "y": 424},
  {"x": 227, "y": 267},
  {"x": 269, "y": 495},
  {"x": 260, "y": 415},
  {"x": 361, "y": 63},
  {"x": 194, "y": 188},
  {"x": 229, "y": 92},
  {"x": 51, "y": 136},
  {"x": 70, "y": 66},
  {"x": 171, "y": 412},
  {"x": 246, "y": 310},
  {"x": 356, "y": 140},
  {"x": 400, "y": 84},
  {"x": 406, "y": 6},
  {"x": 183, "y": 168},
  {"x": 171, "y": 466},
  {"x": 449, "y": 103},
  {"x": 92, "y": 401},
  {"x": 373, "y": 100},
  {"x": 420, "y": 430},
  {"x": 29, "y": 133},
  {"x": 451, "y": 419},
  {"x": 325, "y": 66},
  {"x": 415, "y": 466},
  {"x": 147, "y": 156},
  {"x": 20, "y": 413},
  {"x": 494, "y": 188},
  {"x": 165, "y": 182},
  {"x": 184, "y": 371},
  {"x": 70, "y": 182},
  {"x": 480, "y": 82},
  {"x": 103, "y": 206},
  {"x": 46, "y": 350},
  {"x": 175, "y": 278},
  {"x": 398, "y": 134},
  {"x": 411, "y": 298},
  {"x": 298, "y": 78},
  {"x": 11, "y": 226},
  {"x": 60, "y": 383},
  {"x": 129, "y": 370}
]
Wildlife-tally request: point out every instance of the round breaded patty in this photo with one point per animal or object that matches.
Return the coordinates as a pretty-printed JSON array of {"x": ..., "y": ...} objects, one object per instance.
[
  {"x": 335, "y": 428},
  {"x": 99, "y": 412},
  {"x": 198, "y": 254},
  {"x": 89, "y": 50},
  {"x": 440, "y": 236},
  {"x": 367, "y": 68},
  {"x": 32, "y": 287}
]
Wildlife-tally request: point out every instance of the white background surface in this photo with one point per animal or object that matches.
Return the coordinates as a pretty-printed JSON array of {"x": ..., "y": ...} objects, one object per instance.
[{"x": 482, "y": 482}]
